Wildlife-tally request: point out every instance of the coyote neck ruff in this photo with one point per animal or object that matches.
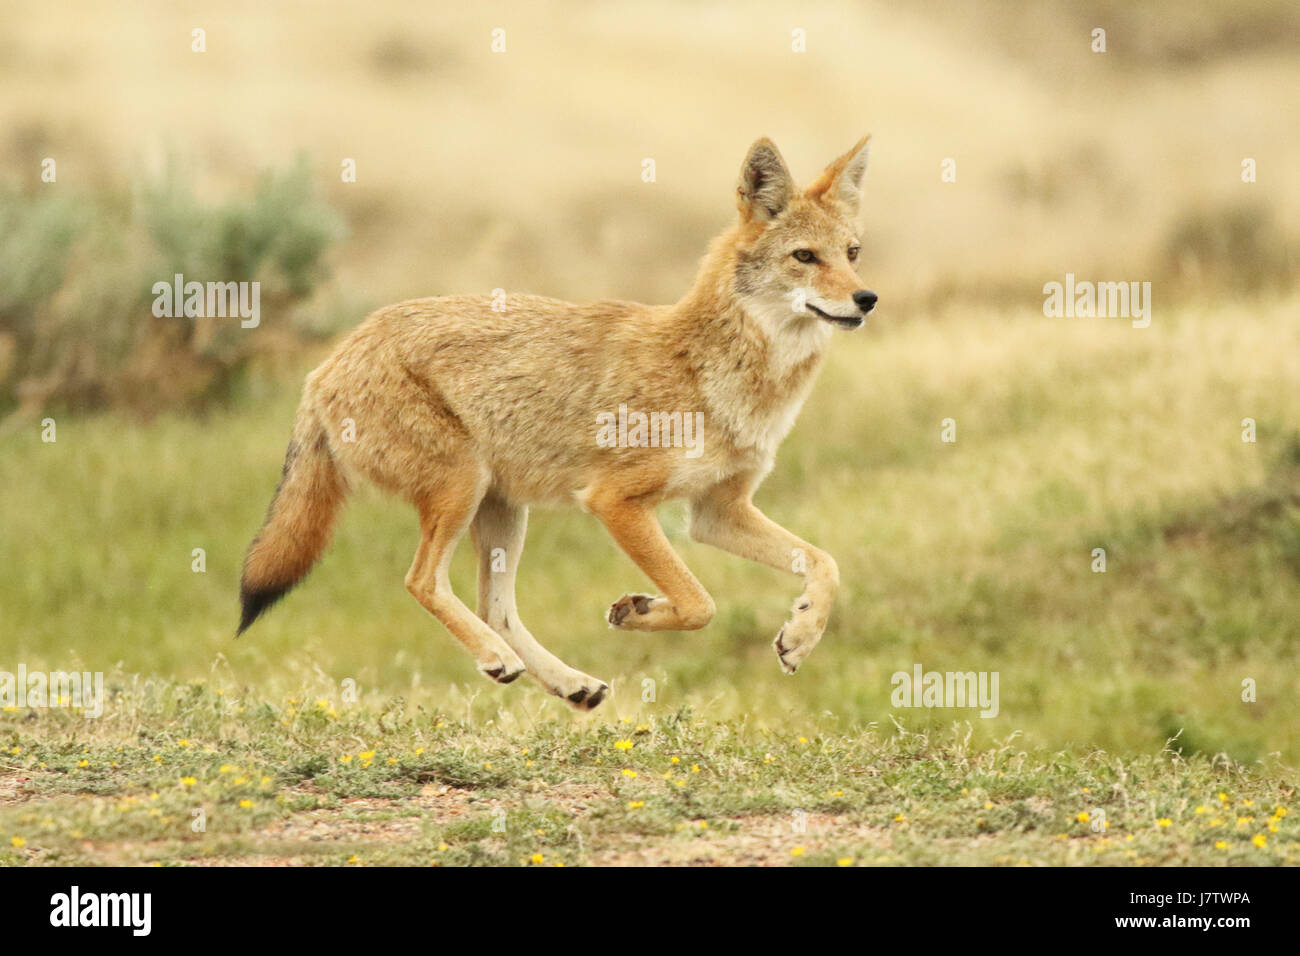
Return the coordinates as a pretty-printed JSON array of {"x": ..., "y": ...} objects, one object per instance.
[
  {"x": 755, "y": 359},
  {"x": 472, "y": 413}
]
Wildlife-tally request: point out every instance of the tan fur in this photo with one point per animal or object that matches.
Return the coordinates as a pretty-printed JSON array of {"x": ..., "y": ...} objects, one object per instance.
[{"x": 473, "y": 414}]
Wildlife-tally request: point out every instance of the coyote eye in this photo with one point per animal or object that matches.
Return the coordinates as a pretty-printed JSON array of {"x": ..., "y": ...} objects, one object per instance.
[
  {"x": 805, "y": 255},
  {"x": 853, "y": 253}
]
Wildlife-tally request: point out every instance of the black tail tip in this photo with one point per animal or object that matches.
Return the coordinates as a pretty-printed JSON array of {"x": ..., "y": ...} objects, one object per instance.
[{"x": 253, "y": 603}]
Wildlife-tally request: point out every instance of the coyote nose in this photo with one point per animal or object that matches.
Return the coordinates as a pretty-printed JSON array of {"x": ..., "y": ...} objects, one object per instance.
[{"x": 865, "y": 299}]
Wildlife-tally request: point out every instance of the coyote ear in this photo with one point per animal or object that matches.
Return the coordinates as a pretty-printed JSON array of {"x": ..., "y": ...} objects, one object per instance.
[
  {"x": 840, "y": 185},
  {"x": 765, "y": 186}
]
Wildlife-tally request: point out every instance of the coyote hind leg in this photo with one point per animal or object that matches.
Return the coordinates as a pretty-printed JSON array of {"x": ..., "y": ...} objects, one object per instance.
[
  {"x": 444, "y": 516},
  {"x": 498, "y": 533}
]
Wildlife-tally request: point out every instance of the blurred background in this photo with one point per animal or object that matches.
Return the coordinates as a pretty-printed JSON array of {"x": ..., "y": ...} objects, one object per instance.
[{"x": 522, "y": 170}]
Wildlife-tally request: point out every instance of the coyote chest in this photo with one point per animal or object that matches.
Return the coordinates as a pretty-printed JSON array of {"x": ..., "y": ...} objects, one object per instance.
[{"x": 755, "y": 421}]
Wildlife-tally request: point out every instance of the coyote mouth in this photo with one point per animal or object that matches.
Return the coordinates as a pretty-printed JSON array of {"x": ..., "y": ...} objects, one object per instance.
[{"x": 843, "y": 321}]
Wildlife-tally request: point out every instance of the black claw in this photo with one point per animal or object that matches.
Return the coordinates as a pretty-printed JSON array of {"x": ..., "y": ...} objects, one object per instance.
[
  {"x": 597, "y": 697},
  {"x": 578, "y": 696},
  {"x": 510, "y": 677},
  {"x": 620, "y": 609}
]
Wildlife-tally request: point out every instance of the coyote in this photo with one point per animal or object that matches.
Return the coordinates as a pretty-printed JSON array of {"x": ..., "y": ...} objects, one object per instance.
[{"x": 472, "y": 414}]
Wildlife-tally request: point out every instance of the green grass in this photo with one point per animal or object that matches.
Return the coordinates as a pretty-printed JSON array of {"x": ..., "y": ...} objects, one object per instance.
[
  {"x": 197, "y": 774},
  {"x": 1072, "y": 435}
]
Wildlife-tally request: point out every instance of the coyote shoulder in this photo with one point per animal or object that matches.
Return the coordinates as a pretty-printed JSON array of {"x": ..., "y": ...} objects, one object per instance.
[{"x": 472, "y": 414}]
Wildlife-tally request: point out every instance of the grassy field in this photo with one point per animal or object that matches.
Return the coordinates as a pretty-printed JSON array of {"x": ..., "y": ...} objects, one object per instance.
[
  {"x": 975, "y": 555},
  {"x": 195, "y": 774},
  {"x": 1161, "y": 693}
]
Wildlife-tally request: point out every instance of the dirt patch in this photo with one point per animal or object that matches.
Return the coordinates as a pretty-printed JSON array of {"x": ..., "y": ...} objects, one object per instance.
[
  {"x": 758, "y": 840},
  {"x": 12, "y": 786},
  {"x": 360, "y": 822}
]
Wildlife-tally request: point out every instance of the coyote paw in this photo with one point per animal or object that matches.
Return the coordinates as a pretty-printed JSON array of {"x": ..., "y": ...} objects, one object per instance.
[
  {"x": 641, "y": 612},
  {"x": 635, "y": 604},
  {"x": 796, "y": 639},
  {"x": 502, "y": 669},
  {"x": 587, "y": 696}
]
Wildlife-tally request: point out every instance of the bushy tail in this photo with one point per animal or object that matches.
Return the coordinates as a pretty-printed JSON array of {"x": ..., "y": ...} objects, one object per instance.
[{"x": 298, "y": 523}]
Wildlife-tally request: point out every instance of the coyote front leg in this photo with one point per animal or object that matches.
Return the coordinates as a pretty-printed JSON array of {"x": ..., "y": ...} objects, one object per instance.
[
  {"x": 726, "y": 518},
  {"x": 684, "y": 604}
]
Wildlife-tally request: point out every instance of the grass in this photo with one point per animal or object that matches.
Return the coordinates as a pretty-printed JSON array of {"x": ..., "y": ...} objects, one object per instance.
[
  {"x": 974, "y": 556},
  {"x": 120, "y": 542},
  {"x": 971, "y": 556},
  {"x": 199, "y": 774}
]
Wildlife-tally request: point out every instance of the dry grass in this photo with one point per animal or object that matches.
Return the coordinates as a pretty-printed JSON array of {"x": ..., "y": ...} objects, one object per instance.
[{"x": 522, "y": 169}]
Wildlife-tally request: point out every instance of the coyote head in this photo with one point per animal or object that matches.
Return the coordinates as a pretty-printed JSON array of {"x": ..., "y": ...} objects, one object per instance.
[{"x": 797, "y": 251}]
